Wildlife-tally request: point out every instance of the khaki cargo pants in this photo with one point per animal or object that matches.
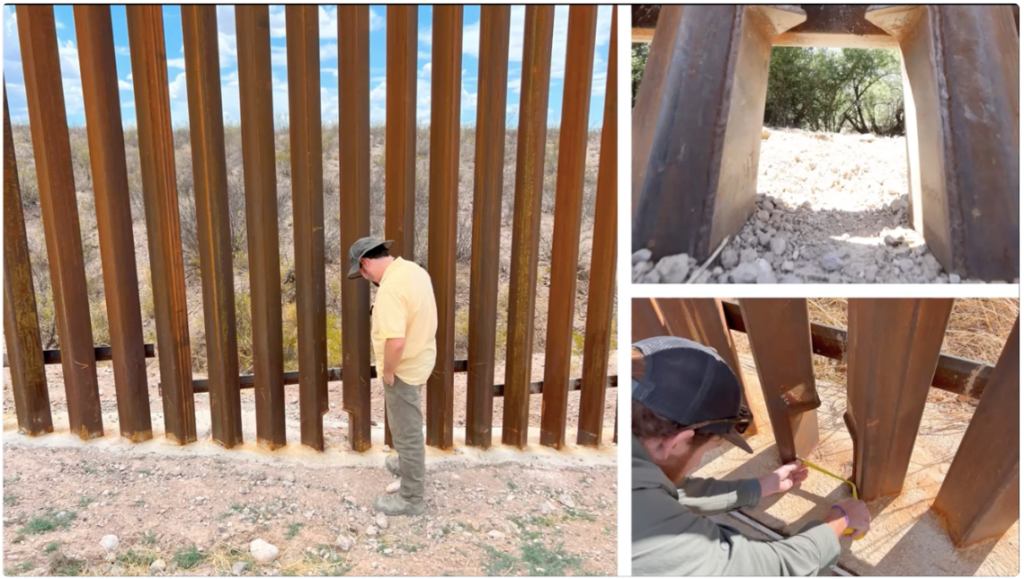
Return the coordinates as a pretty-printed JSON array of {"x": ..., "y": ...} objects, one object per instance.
[{"x": 402, "y": 404}]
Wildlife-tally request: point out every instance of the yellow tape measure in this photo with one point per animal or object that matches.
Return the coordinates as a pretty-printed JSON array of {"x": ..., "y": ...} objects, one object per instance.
[{"x": 808, "y": 464}]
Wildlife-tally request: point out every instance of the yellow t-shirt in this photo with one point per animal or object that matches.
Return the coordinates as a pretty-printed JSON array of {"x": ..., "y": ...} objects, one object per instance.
[{"x": 405, "y": 308}]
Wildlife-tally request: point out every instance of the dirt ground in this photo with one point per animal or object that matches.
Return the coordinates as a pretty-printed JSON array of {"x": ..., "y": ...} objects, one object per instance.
[
  {"x": 831, "y": 208},
  {"x": 198, "y": 516}
]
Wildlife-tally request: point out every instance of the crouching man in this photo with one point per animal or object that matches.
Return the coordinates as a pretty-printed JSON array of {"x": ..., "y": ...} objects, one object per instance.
[{"x": 686, "y": 400}]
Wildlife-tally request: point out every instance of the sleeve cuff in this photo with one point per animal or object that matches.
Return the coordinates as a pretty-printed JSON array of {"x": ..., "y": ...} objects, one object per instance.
[
  {"x": 749, "y": 493},
  {"x": 824, "y": 538}
]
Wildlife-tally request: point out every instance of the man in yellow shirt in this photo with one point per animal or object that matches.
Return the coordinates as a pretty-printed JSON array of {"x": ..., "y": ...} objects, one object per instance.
[{"x": 404, "y": 330}]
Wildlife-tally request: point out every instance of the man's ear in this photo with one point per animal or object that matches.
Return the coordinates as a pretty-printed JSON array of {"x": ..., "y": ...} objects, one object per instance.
[{"x": 678, "y": 441}]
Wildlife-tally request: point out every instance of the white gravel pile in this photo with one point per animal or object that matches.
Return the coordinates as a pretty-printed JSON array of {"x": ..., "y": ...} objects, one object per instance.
[{"x": 832, "y": 208}]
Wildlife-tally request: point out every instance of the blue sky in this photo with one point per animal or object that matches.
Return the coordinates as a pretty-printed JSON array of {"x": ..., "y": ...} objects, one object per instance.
[{"x": 328, "y": 62}]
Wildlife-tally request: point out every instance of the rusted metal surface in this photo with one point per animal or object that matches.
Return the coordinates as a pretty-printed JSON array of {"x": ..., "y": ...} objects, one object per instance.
[
  {"x": 260, "y": 173},
  {"x": 445, "y": 99},
  {"x": 836, "y": 26},
  {"x": 961, "y": 66},
  {"x": 648, "y": 97},
  {"x": 51, "y": 149},
  {"x": 980, "y": 496},
  {"x": 952, "y": 374},
  {"x": 703, "y": 321},
  {"x": 780, "y": 340},
  {"x": 113, "y": 217},
  {"x": 206, "y": 129},
  {"x": 335, "y": 375},
  {"x": 831, "y": 25},
  {"x": 103, "y": 354},
  {"x": 894, "y": 347},
  {"x": 21, "y": 319},
  {"x": 530, "y": 143},
  {"x": 400, "y": 153},
  {"x": 700, "y": 181},
  {"x": 400, "y": 136},
  {"x": 565, "y": 245},
  {"x": 487, "y": 186},
  {"x": 302, "y": 25},
  {"x": 160, "y": 195},
  {"x": 646, "y": 323},
  {"x": 354, "y": 123},
  {"x": 601, "y": 291}
]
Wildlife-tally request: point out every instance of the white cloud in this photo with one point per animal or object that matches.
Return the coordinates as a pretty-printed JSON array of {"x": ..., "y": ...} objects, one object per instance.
[
  {"x": 604, "y": 24},
  {"x": 128, "y": 105},
  {"x": 471, "y": 39},
  {"x": 377, "y": 21},
  {"x": 331, "y": 71},
  {"x": 177, "y": 89},
  {"x": 328, "y": 22},
  {"x": 378, "y": 95},
  {"x": 69, "y": 64},
  {"x": 122, "y": 50},
  {"x": 328, "y": 51},
  {"x": 58, "y": 24},
  {"x": 279, "y": 56},
  {"x": 178, "y": 63},
  {"x": 277, "y": 22},
  {"x": 125, "y": 85}
]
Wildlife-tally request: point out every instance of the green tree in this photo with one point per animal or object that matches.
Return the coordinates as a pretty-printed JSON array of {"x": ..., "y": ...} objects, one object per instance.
[{"x": 640, "y": 53}]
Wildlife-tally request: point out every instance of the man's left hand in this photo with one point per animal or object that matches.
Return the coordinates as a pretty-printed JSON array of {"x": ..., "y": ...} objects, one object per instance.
[{"x": 783, "y": 478}]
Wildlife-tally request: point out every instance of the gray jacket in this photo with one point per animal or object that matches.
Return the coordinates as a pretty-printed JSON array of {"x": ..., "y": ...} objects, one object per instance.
[{"x": 671, "y": 535}]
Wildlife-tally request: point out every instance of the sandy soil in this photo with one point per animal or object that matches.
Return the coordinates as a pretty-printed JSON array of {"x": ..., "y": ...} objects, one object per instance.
[
  {"x": 199, "y": 514},
  {"x": 831, "y": 208}
]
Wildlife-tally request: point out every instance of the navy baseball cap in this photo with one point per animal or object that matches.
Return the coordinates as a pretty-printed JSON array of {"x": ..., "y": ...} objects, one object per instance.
[{"x": 689, "y": 383}]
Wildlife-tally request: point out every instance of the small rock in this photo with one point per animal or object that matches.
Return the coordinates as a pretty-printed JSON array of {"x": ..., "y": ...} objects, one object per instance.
[
  {"x": 954, "y": 278},
  {"x": 892, "y": 241},
  {"x": 386, "y": 448},
  {"x": 344, "y": 543},
  {"x": 763, "y": 238},
  {"x": 546, "y": 508},
  {"x": 158, "y": 565},
  {"x": 393, "y": 487},
  {"x": 371, "y": 531},
  {"x": 239, "y": 568},
  {"x": 788, "y": 266},
  {"x": 730, "y": 259},
  {"x": 176, "y": 471},
  {"x": 870, "y": 273},
  {"x": 763, "y": 215},
  {"x": 642, "y": 255},
  {"x": 566, "y": 501},
  {"x": 905, "y": 264},
  {"x": 382, "y": 520},
  {"x": 496, "y": 534},
  {"x": 110, "y": 558},
  {"x": 748, "y": 255},
  {"x": 673, "y": 268},
  {"x": 778, "y": 245},
  {"x": 765, "y": 134},
  {"x": 110, "y": 542},
  {"x": 806, "y": 205},
  {"x": 832, "y": 261},
  {"x": 640, "y": 270},
  {"x": 288, "y": 477},
  {"x": 262, "y": 552},
  {"x": 350, "y": 500},
  {"x": 745, "y": 273},
  {"x": 790, "y": 278}
]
